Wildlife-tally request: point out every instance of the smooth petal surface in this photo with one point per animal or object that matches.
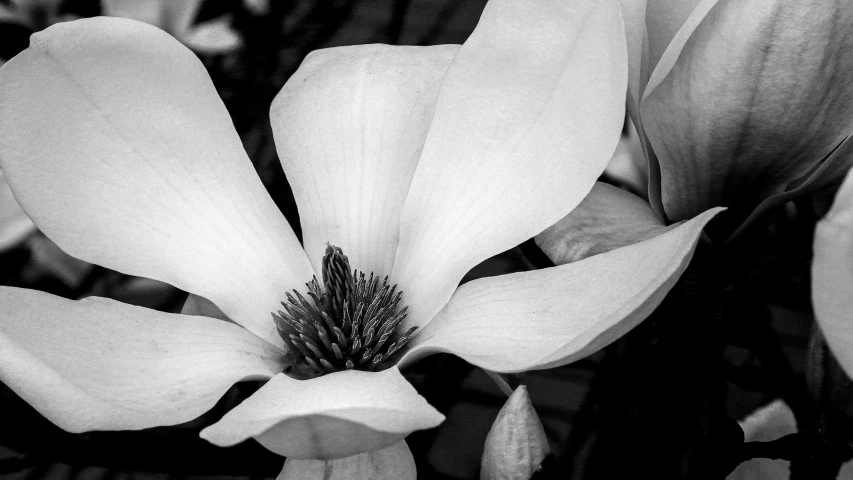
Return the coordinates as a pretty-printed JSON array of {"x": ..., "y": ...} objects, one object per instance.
[
  {"x": 607, "y": 219},
  {"x": 15, "y": 225},
  {"x": 333, "y": 416},
  {"x": 527, "y": 118},
  {"x": 516, "y": 444},
  {"x": 758, "y": 97},
  {"x": 97, "y": 364},
  {"x": 117, "y": 146},
  {"x": 390, "y": 463},
  {"x": 554, "y": 316},
  {"x": 832, "y": 276},
  {"x": 349, "y": 127}
]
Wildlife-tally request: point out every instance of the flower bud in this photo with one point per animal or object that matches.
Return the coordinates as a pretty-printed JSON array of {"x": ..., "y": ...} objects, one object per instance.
[{"x": 516, "y": 444}]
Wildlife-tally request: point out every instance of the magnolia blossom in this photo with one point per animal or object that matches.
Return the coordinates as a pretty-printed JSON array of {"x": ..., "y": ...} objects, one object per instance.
[
  {"x": 177, "y": 17},
  {"x": 743, "y": 104},
  {"x": 416, "y": 162}
]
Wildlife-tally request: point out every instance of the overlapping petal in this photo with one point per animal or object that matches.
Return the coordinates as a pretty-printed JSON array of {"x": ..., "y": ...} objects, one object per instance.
[
  {"x": 390, "y": 463},
  {"x": 333, "y": 416},
  {"x": 607, "y": 219},
  {"x": 832, "y": 276},
  {"x": 664, "y": 18},
  {"x": 528, "y": 116},
  {"x": 118, "y": 147},
  {"x": 97, "y": 364},
  {"x": 758, "y": 97},
  {"x": 636, "y": 37},
  {"x": 551, "y": 317},
  {"x": 349, "y": 127}
]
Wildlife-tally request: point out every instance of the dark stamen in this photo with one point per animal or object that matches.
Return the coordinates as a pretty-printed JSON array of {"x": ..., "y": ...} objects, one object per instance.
[{"x": 349, "y": 322}]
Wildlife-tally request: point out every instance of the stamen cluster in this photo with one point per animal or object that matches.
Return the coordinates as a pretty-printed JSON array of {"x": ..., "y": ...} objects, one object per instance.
[{"x": 349, "y": 323}]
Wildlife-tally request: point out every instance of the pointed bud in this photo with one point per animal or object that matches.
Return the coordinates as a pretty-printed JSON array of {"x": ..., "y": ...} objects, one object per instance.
[{"x": 516, "y": 444}]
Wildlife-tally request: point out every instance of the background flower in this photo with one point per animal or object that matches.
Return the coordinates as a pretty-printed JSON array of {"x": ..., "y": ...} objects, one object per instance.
[{"x": 725, "y": 126}]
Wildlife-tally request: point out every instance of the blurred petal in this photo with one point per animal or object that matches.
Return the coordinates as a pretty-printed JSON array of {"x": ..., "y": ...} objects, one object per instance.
[
  {"x": 152, "y": 12},
  {"x": 173, "y": 16},
  {"x": 551, "y": 317},
  {"x": 527, "y": 118},
  {"x": 179, "y": 16},
  {"x": 257, "y": 7},
  {"x": 333, "y": 416},
  {"x": 349, "y": 126},
  {"x": 607, "y": 219},
  {"x": 390, "y": 463},
  {"x": 759, "y": 96},
  {"x": 97, "y": 364},
  {"x": 768, "y": 423},
  {"x": 15, "y": 225},
  {"x": 8, "y": 15},
  {"x": 212, "y": 37},
  {"x": 119, "y": 149},
  {"x": 516, "y": 444},
  {"x": 832, "y": 276}
]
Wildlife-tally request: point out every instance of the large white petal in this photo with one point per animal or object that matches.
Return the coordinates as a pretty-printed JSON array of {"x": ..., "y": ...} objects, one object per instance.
[
  {"x": 554, "y": 316},
  {"x": 832, "y": 276},
  {"x": 118, "y": 147},
  {"x": 527, "y": 118},
  {"x": 333, "y": 416},
  {"x": 349, "y": 127},
  {"x": 97, "y": 364},
  {"x": 390, "y": 463}
]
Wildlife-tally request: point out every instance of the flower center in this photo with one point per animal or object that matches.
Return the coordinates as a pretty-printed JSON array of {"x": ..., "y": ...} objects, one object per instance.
[{"x": 350, "y": 323}]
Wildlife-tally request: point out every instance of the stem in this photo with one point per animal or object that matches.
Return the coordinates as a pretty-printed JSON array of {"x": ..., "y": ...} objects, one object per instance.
[{"x": 499, "y": 379}]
